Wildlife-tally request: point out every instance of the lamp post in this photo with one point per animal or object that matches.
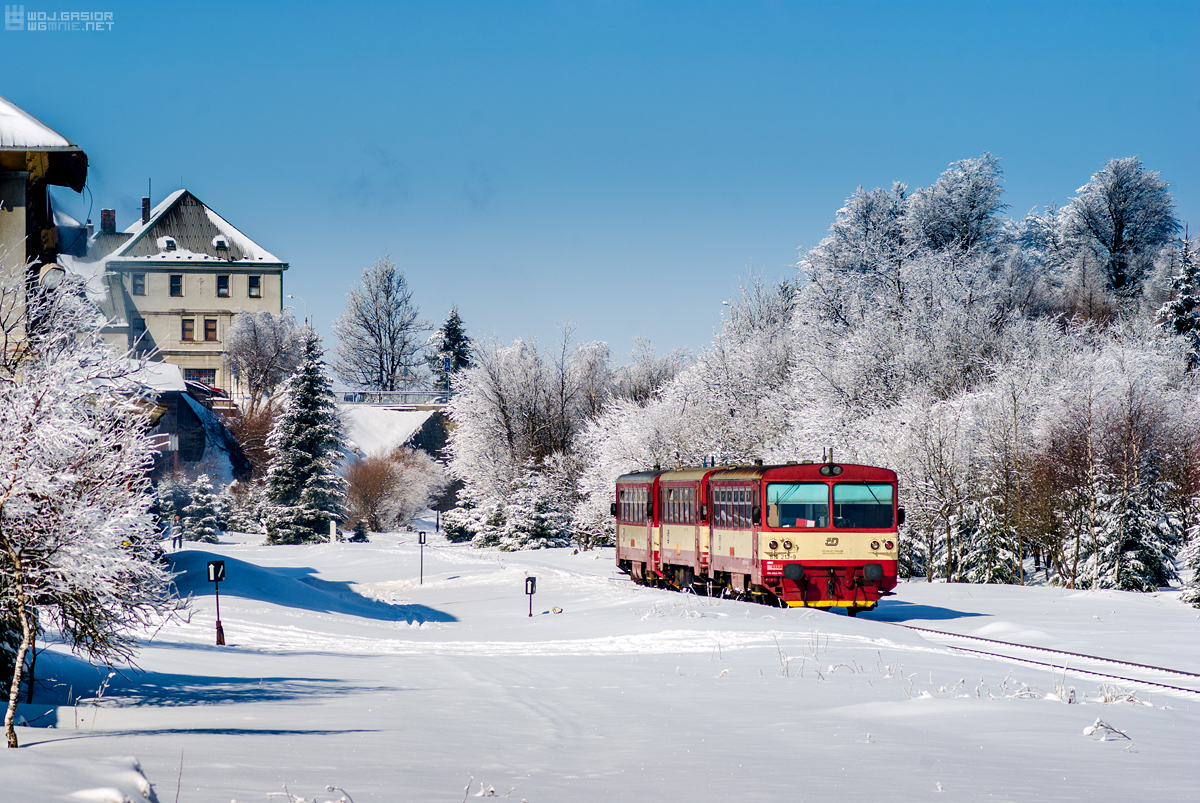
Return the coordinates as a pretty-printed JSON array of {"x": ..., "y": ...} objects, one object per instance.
[{"x": 305, "y": 303}]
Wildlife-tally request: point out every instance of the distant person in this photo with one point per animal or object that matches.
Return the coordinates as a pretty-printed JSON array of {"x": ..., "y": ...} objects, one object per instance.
[{"x": 175, "y": 532}]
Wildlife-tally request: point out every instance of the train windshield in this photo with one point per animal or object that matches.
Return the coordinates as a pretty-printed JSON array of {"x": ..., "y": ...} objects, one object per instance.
[
  {"x": 799, "y": 504},
  {"x": 862, "y": 505}
]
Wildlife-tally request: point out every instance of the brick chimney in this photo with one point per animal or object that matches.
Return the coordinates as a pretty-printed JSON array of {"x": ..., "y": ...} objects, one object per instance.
[
  {"x": 108, "y": 221},
  {"x": 145, "y": 210}
]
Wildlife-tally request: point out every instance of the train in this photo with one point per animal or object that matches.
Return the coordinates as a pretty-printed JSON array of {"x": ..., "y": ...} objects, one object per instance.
[{"x": 802, "y": 534}]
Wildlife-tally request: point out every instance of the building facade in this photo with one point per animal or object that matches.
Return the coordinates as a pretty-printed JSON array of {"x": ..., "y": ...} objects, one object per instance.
[{"x": 173, "y": 281}]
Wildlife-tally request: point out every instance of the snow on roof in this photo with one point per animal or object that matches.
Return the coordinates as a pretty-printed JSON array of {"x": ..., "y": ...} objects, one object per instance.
[
  {"x": 21, "y": 131},
  {"x": 378, "y": 430},
  {"x": 195, "y": 228},
  {"x": 162, "y": 376}
]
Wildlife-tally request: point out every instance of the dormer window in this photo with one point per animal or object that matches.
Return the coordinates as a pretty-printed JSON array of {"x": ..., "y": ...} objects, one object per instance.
[
  {"x": 220, "y": 243},
  {"x": 167, "y": 244}
]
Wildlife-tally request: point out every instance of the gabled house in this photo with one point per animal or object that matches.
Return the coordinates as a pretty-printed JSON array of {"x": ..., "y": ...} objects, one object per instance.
[{"x": 172, "y": 281}]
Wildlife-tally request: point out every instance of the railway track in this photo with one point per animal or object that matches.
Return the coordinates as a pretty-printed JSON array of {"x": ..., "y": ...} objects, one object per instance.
[{"x": 1066, "y": 664}]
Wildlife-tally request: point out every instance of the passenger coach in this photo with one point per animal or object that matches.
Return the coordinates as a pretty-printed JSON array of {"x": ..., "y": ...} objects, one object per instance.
[{"x": 803, "y": 534}]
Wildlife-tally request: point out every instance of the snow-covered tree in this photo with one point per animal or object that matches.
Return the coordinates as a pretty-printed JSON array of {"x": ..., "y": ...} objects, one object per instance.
[
  {"x": 387, "y": 491},
  {"x": 248, "y": 508},
  {"x": 533, "y": 517},
  {"x": 262, "y": 349},
  {"x": 1181, "y": 315},
  {"x": 304, "y": 488},
  {"x": 961, "y": 209},
  {"x": 199, "y": 518},
  {"x": 78, "y": 546},
  {"x": 451, "y": 342},
  {"x": 647, "y": 373},
  {"x": 379, "y": 334},
  {"x": 1127, "y": 212},
  {"x": 989, "y": 544}
]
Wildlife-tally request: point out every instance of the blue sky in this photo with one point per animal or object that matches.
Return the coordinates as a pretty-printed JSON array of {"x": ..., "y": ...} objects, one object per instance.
[{"x": 615, "y": 164}]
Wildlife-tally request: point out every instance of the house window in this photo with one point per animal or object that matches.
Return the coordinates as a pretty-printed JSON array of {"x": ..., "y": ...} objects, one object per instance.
[
  {"x": 255, "y": 286},
  {"x": 176, "y": 284},
  {"x": 206, "y": 375},
  {"x": 210, "y": 328},
  {"x": 189, "y": 329},
  {"x": 223, "y": 287},
  {"x": 139, "y": 284}
]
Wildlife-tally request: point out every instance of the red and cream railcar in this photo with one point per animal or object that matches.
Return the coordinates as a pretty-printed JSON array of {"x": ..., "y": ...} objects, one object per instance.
[{"x": 803, "y": 534}]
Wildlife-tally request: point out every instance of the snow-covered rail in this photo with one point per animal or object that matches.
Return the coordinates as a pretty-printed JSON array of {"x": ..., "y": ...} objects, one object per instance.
[{"x": 1065, "y": 666}]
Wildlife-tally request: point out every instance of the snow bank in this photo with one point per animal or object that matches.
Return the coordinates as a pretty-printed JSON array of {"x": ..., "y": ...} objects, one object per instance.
[
  {"x": 398, "y": 674},
  {"x": 377, "y": 430}
]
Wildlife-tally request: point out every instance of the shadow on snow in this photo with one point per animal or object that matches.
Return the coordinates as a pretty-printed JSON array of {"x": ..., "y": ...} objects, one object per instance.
[
  {"x": 294, "y": 587},
  {"x": 896, "y": 610}
]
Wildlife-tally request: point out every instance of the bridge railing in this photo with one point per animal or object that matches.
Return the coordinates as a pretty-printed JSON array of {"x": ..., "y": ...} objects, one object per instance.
[{"x": 392, "y": 397}]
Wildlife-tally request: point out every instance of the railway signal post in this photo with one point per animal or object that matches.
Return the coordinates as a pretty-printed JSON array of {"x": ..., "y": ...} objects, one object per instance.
[
  {"x": 216, "y": 573},
  {"x": 421, "y": 541},
  {"x": 530, "y": 590}
]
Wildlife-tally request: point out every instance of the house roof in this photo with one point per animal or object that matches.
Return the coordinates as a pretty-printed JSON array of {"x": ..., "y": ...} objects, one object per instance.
[
  {"x": 196, "y": 230},
  {"x": 21, "y": 131}
]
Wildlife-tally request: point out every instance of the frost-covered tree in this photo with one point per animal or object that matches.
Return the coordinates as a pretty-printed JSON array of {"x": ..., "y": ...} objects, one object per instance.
[
  {"x": 387, "y": 491},
  {"x": 304, "y": 487},
  {"x": 261, "y": 350},
  {"x": 646, "y": 373},
  {"x": 1127, "y": 212},
  {"x": 199, "y": 518},
  {"x": 861, "y": 257},
  {"x": 961, "y": 209},
  {"x": 379, "y": 334},
  {"x": 78, "y": 546}
]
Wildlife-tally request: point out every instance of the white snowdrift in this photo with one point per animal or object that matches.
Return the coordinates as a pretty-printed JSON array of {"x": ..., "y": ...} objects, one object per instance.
[{"x": 344, "y": 669}]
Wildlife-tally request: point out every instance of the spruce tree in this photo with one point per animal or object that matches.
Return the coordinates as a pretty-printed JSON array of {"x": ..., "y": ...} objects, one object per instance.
[
  {"x": 989, "y": 553},
  {"x": 1137, "y": 536},
  {"x": 450, "y": 343},
  {"x": 532, "y": 519},
  {"x": 199, "y": 518},
  {"x": 1181, "y": 315},
  {"x": 304, "y": 488}
]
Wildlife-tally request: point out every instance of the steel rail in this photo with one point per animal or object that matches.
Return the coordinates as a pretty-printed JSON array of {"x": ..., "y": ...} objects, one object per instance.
[
  {"x": 1056, "y": 652},
  {"x": 1074, "y": 670}
]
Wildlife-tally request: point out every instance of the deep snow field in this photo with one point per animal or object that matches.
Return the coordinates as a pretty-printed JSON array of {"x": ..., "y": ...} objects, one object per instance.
[{"x": 342, "y": 670}]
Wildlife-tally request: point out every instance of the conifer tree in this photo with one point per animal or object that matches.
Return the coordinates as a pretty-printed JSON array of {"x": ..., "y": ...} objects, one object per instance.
[
  {"x": 452, "y": 343},
  {"x": 989, "y": 553},
  {"x": 199, "y": 518},
  {"x": 1181, "y": 315},
  {"x": 532, "y": 517},
  {"x": 304, "y": 488},
  {"x": 1137, "y": 536}
]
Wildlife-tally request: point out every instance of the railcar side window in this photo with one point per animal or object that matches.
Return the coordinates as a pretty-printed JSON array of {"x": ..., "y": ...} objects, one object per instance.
[
  {"x": 800, "y": 504},
  {"x": 862, "y": 505}
]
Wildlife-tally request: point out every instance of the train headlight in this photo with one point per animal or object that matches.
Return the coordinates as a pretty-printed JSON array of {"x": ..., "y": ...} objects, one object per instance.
[
  {"x": 787, "y": 544},
  {"x": 888, "y": 545},
  {"x": 773, "y": 545},
  {"x": 874, "y": 546}
]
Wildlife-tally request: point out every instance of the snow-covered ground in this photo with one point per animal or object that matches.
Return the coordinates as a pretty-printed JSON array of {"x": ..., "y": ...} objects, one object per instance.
[{"x": 342, "y": 670}]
